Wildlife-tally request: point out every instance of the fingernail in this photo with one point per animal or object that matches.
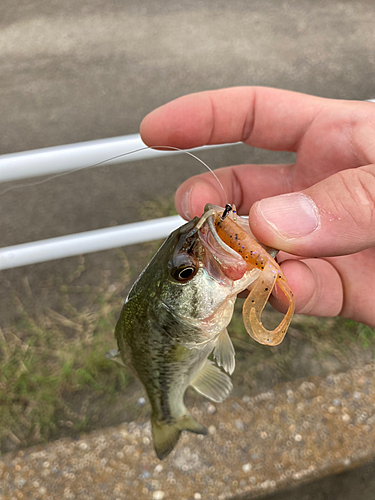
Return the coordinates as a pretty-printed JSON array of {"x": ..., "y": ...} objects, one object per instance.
[
  {"x": 185, "y": 204},
  {"x": 292, "y": 215}
]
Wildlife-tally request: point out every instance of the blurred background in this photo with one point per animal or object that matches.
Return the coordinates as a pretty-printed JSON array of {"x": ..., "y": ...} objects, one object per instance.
[{"x": 81, "y": 70}]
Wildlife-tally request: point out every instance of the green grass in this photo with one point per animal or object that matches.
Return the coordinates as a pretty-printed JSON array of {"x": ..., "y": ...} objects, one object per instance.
[{"x": 49, "y": 357}]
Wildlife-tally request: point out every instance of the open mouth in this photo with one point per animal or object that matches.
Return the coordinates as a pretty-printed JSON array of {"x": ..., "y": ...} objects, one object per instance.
[{"x": 230, "y": 262}]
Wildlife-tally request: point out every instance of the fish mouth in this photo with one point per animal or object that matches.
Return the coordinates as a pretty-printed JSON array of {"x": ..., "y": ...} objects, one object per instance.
[
  {"x": 211, "y": 210},
  {"x": 208, "y": 217},
  {"x": 230, "y": 262}
]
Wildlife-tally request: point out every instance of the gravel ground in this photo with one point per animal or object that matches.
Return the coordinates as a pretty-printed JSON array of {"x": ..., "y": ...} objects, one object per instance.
[{"x": 255, "y": 445}]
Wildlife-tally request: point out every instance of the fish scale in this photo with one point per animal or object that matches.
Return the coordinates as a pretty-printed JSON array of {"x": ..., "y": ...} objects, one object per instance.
[{"x": 175, "y": 316}]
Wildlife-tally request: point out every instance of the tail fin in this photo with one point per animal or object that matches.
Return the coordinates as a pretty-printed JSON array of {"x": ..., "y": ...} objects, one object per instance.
[{"x": 166, "y": 435}]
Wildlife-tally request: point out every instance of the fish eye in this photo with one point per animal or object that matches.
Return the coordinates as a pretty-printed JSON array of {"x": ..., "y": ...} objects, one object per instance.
[{"x": 184, "y": 273}]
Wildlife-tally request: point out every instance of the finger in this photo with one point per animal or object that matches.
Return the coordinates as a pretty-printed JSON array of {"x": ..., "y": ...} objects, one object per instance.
[
  {"x": 260, "y": 116},
  {"x": 357, "y": 275},
  {"x": 243, "y": 186},
  {"x": 334, "y": 217},
  {"x": 316, "y": 285}
]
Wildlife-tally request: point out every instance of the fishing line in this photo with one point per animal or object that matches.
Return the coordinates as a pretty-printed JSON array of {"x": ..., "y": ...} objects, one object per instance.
[{"x": 103, "y": 162}]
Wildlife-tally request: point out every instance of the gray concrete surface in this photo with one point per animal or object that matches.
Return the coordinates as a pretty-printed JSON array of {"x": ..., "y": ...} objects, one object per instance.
[
  {"x": 348, "y": 485},
  {"x": 77, "y": 70}
]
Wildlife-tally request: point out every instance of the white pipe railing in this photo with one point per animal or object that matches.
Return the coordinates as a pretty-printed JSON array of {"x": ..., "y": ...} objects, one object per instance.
[
  {"x": 72, "y": 157},
  {"x": 69, "y": 158},
  {"x": 88, "y": 242}
]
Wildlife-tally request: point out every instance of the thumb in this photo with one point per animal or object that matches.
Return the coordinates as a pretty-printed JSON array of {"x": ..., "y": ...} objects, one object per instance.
[{"x": 334, "y": 217}]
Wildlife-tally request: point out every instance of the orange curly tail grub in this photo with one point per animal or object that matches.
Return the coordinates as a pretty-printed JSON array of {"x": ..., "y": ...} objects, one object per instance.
[{"x": 255, "y": 256}]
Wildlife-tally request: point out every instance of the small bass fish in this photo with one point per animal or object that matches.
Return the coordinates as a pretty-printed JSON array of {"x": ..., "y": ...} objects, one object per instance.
[{"x": 176, "y": 315}]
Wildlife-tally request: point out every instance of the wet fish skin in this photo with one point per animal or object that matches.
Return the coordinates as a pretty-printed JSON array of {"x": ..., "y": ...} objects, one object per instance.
[{"x": 169, "y": 326}]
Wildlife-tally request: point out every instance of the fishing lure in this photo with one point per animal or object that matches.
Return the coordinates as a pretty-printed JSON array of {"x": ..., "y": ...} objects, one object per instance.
[
  {"x": 237, "y": 237},
  {"x": 234, "y": 232}
]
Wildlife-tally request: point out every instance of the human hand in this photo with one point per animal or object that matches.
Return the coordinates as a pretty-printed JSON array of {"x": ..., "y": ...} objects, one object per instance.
[{"x": 320, "y": 210}]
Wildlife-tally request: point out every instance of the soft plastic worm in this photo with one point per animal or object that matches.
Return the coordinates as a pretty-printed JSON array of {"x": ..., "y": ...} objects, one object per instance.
[{"x": 256, "y": 256}]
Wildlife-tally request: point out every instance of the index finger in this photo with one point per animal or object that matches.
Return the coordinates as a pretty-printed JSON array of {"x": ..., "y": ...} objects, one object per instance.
[{"x": 259, "y": 116}]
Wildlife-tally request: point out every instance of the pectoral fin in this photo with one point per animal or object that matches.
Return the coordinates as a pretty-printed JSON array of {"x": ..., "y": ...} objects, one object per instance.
[
  {"x": 224, "y": 352},
  {"x": 212, "y": 383}
]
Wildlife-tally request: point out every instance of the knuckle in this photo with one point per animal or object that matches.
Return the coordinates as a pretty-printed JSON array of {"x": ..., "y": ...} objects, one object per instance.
[{"x": 359, "y": 204}]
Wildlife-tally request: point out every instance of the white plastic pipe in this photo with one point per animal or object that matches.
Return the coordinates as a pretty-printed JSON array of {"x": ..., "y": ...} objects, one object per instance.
[
  {"x": 54, "y": 160},
  {"x": 87, "y": 242}
]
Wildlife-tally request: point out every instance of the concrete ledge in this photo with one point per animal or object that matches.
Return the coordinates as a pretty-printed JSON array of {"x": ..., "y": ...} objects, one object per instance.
[{"x": 293, "y": 434}]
